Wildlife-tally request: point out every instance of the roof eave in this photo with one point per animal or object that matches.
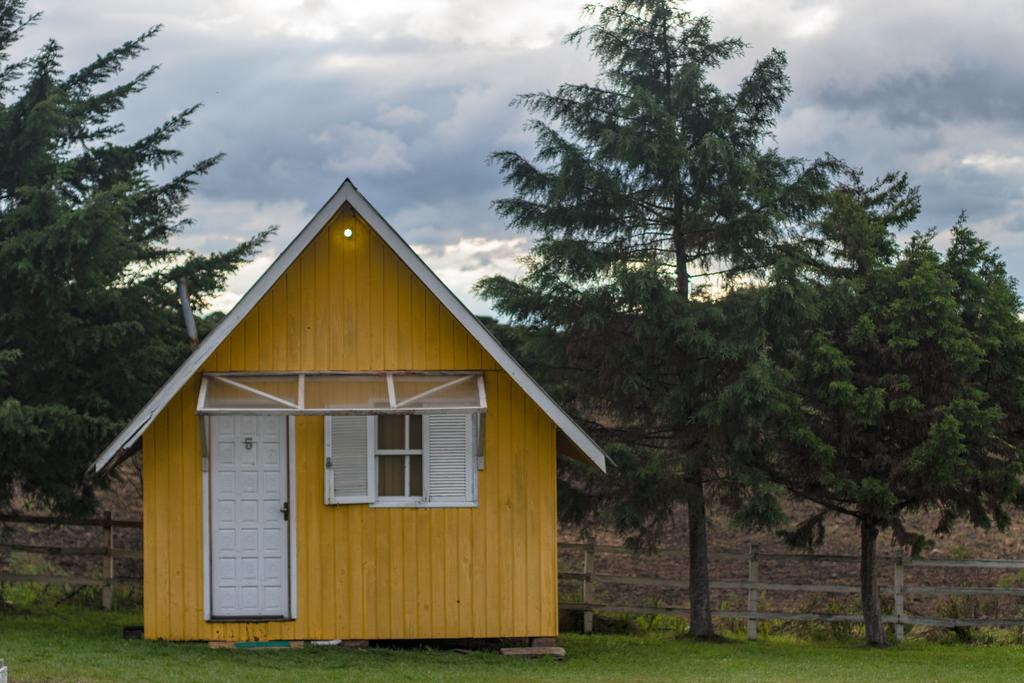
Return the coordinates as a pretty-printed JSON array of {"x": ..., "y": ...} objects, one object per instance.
[{"x": 347, "y": 192}]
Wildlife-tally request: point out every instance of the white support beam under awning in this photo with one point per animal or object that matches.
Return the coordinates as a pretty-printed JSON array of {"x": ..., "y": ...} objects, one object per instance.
[{"x": 341, "y": 393}]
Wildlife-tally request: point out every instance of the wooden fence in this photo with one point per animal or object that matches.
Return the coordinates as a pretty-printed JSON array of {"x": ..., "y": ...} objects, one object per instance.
[
  {"x": 754, "y": 588},
  {"x": 107, "y": 553}
]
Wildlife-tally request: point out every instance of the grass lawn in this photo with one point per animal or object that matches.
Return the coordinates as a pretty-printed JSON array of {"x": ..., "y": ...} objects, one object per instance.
[{"x": 81, "y": 645}]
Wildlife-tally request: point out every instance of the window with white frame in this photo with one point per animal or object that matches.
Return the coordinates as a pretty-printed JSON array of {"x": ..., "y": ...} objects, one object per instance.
[
  {"x": 399, "y": 451},
  {"x": 402, "y": 459}
]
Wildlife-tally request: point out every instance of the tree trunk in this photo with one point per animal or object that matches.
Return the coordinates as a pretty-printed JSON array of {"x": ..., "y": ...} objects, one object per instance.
[
  {"x": 872, "y": 606},
  {"x": 696, "y": 507},
  {"x": 700, "y": 576}
]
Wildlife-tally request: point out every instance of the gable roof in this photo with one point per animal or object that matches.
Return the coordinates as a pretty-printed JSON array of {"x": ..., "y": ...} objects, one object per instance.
[{"x": 570, "y": 437}]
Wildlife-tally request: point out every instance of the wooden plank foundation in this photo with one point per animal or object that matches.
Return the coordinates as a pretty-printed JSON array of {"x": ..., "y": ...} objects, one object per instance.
[
  {"x": 256, "y": 645},
  {"x": 534, "y": 652}
]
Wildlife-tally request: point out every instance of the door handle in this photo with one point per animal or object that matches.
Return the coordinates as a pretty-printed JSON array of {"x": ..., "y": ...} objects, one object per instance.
[{"x": 284, "y": 510}]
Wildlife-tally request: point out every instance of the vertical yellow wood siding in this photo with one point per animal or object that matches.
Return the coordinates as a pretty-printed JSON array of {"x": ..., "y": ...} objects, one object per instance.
[{"x": 364, "y": 573}]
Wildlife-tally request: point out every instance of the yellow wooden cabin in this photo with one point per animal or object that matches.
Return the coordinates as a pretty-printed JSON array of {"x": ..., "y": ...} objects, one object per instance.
[{"x": 350, "y": 455}]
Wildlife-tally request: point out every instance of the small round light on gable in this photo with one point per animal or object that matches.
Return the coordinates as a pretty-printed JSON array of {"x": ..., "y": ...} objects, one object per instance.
[{"x": 347, "y": 232}]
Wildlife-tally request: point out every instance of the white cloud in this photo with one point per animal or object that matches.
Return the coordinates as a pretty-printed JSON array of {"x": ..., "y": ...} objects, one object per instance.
[
  {"x": 814, "y": 21},
  {"x": 240, "y": 283},
  {"x": 529, "y": 23},
  {"x": 444, "y": 220},
  {"x": 356, "y": 148},
  {"x": 462, "y": 264},
  {"x": 409, "y": 97},
  {"x": 994, "y": 162},
  {"x": 221, "y": 224},
  {"x": 476, "y": 107},
  {"x": 398, "y": 115}
]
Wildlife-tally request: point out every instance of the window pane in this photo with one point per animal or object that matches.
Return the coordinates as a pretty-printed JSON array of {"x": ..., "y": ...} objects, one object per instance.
[
  {"x": 416, "y": 432},
  {"x": 391, "y": 475},
  {"x": 415, "y": 392},
  {"x": 221, "y": 393},
  {"x": 390, "y": 432},
  {"x": 359, "y": 392},
  {"x": 416, "y": 475},
  {"x": 283, "y": 386}
]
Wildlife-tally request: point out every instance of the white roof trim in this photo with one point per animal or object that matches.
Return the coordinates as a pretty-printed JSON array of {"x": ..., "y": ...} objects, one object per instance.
[{"x": 130, "y": 435}]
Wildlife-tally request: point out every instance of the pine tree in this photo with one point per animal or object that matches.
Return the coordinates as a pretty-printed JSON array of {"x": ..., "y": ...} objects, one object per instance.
[
  {"x": 652, "y": 193},
  {"x": 895, "y": 383},
  {"x": 89, "y": 318}
]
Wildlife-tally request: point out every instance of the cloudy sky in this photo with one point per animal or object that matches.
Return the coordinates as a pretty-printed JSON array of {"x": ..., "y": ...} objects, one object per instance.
[{"x": 408, "y": 97}]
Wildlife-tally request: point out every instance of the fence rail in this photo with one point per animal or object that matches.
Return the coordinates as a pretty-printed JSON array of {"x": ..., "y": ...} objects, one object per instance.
[
  {"x": 590, "y": 578},
  {"x": 754, "y": 587},
  {"x": 107, "y": 552}
]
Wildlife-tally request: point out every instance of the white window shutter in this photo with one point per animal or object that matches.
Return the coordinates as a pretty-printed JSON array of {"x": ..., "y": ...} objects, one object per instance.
[
  {"x": 448, "y": 442},
  {"x": 348, "y": 477}
]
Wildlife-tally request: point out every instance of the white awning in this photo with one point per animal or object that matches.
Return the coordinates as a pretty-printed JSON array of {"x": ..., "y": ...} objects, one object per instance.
[{"x": 341, "y": 393}]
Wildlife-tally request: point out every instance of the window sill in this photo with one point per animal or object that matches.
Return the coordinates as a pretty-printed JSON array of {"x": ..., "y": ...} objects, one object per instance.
[
  {"x": 421, "y": 504},
  {"x": 246, "y": 620}
]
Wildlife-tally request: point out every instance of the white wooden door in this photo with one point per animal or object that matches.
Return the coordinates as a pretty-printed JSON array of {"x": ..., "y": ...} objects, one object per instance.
[{"x": 249, "y": 550}]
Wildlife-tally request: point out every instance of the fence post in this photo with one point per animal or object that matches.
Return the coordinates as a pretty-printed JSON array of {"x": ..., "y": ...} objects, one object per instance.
[
  {"x": 752, "y": 574},
  {"x": 588, "y": 588},
  {"x": 897, "y": 592},
  {"x": 107, "y": 592}
]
